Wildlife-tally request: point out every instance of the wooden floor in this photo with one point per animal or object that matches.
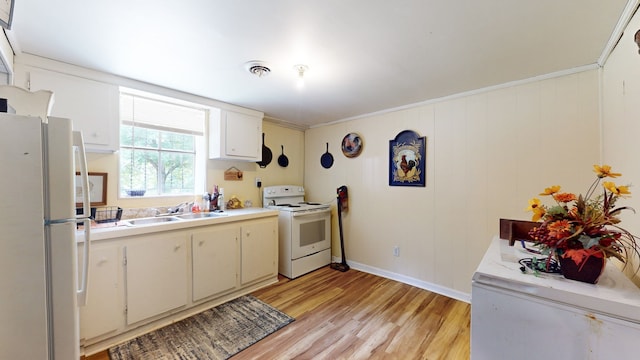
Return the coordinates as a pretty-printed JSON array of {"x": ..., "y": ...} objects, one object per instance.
[{"x": 355, "y": 315}]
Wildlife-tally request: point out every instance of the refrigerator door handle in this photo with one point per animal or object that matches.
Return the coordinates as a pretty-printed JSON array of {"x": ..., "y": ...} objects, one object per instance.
[
  {"x": 78, "y": 142},
  {"x": 83, "y": 281}
]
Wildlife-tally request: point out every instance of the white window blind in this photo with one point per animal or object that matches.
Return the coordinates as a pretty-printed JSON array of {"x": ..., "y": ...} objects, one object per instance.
[{"x": 137, "y": 110}]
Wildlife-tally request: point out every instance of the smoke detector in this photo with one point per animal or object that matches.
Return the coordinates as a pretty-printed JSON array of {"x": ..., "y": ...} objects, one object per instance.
[{"x": 257, "y": 68}]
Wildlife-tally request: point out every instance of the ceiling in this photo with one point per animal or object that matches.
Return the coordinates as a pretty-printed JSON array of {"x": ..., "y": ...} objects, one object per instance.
[{"x": 363, "y": 56}]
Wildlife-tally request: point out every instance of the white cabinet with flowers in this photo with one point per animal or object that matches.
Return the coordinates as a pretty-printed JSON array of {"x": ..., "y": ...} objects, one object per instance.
[{"x": 235, "y": 135}]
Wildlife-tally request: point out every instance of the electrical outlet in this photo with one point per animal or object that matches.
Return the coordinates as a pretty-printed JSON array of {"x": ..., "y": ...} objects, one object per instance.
[
  {"x": 258, "y": 182},
  {"x": 396, "y": 251}
]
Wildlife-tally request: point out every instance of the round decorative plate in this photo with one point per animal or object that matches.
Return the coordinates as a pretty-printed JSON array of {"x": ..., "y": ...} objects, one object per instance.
[{"x": 351, "y": 145}]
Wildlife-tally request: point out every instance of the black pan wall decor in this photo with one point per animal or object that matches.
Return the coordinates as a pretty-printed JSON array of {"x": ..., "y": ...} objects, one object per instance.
[
  {"x": 327, "y": 159},
  {"x": 267, "y": 156},
  {"x": 282, "y": 159}
]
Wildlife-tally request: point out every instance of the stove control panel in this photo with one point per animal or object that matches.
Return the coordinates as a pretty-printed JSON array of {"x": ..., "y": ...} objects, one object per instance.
[{"x": 283, "y": 190}]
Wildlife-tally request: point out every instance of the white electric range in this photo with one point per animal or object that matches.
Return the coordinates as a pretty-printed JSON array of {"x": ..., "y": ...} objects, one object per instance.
[{"x": 304, "y": 230}]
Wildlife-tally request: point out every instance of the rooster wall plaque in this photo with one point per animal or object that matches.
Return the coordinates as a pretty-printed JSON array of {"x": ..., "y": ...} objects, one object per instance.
[{"x": 406, "y": 159}]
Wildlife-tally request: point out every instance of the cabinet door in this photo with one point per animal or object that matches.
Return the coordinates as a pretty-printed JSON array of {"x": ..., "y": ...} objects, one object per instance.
[
  {"x": 103, "y": 312},
  {"x": 244, "y": 135},
  {"x": 215, "y": 260},
  {"x": 259, "y": 249},
  {"x": 156, "y": 275},
  {"x": 234, "y": 136},
  {"x": 91, "y": 105}
]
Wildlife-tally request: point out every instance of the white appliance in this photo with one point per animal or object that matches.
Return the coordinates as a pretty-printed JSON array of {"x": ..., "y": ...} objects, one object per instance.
[
  {"x": 39, "y": 287},
  {"x": 304, "y": 230},
  {"x": 516, "y": 315}
]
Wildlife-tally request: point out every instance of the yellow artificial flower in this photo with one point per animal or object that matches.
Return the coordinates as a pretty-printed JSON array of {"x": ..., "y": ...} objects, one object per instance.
[
  {"x": 536, "y": 208},
  {"x": 533, "y": 203},
  {"x": 550, "y": 190},
  {"x": 538, "y": 213},
  {"x": 604, "y": 171},
  {"x": 616, "y": 190}
]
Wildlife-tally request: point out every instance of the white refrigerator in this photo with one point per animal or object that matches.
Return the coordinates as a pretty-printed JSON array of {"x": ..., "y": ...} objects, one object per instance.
[
  {"x": 41, "y": 285},
  {"x": 523, "y": 315}
]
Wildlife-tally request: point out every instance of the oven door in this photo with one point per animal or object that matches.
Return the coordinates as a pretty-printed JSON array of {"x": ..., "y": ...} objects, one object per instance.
[{"x": 310, "y": 232}]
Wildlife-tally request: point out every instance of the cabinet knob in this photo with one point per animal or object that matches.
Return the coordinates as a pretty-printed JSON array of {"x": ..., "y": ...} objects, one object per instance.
[
  {"x": 177, "y": 247},
  {"x": 201, "y": 242},
  {"x": 248, "y": 233}
]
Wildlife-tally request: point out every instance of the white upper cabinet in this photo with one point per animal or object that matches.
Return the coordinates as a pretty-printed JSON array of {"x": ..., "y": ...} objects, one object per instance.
[
  {"x": 235, "y": 136},
  {"x": 91, "y": 105}
]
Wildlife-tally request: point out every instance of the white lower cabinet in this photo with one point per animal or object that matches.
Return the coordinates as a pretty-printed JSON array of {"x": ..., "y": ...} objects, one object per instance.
[
  {"x": 214, "y": 252},
  {"x": 104, "y": 311},
  {"x": 259, "y": 250},
  {"x": 156, "y": 273},
  {"x": 140, "y": 282}
]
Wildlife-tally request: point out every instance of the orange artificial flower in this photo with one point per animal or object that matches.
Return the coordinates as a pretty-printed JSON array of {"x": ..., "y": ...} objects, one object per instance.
[
  {"x": 564, "y": 197},
  {"x": 559, "y": 229}
]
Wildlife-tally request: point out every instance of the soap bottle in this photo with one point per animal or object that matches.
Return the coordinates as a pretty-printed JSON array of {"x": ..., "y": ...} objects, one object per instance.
[
  {"x": 195, "y": 206},
  {"x": 221, "y": 204}
]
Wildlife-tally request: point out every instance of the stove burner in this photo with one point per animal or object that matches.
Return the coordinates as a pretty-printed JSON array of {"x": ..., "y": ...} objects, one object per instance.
[
  {"x": 288, "y": 205},
  {"x": 309, "y": 203}
]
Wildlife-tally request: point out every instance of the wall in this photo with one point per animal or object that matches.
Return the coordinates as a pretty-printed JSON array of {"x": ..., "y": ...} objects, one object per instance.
[
  {"x": 621, "y": 120},
  {"x": 487, "y": 155},
  {"x": 273, "y": 174},
  {"x": 6, "y": 59},
  {"x": 276, "y": 134}
]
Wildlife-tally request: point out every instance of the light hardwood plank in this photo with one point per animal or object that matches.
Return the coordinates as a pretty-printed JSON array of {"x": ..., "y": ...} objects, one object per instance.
[{"x": 355, "y": 315}]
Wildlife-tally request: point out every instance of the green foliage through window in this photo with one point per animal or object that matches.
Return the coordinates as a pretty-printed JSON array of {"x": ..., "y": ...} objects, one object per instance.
[{"x": 159, "y": 161}]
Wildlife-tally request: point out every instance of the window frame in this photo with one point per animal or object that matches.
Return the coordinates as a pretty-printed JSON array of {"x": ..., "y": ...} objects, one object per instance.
[{"x": 199, "y": 151}]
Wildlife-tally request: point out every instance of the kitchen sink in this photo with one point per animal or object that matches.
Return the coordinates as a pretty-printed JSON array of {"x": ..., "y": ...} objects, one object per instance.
[
  {"x": 153, "y": 220},
  {"x": 200, "y": 215}
]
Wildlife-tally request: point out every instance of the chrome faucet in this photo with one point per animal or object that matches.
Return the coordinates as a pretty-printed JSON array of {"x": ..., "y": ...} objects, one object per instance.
[
  {"x": 181, "y": 208},
  {"x": 184, "y": 207}
]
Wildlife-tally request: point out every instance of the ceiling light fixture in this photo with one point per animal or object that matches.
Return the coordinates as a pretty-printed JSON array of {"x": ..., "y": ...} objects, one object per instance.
[
  {"x": 257, "y": 68},
  {"x": 300, "y": 68}
]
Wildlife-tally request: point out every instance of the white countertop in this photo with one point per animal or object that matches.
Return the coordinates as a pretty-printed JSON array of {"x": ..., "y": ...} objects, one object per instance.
[
  {"x": 122, "y": 229},
  {"x": 614, "y": 294}
]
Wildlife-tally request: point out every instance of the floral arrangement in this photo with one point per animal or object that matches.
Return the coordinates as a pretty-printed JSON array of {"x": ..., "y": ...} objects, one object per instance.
[{"x": 586, "y": 225}]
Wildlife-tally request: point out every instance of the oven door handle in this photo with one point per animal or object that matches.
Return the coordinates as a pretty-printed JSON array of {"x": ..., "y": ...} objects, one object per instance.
[{"x": 310, "y": 212}]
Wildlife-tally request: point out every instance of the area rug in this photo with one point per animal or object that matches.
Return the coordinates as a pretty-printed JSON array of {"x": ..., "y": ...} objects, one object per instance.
[{"x": 218, "y": 333}]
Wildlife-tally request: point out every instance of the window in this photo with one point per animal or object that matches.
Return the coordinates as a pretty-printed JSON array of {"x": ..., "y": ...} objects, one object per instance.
[{"x": 162, "y": 149}]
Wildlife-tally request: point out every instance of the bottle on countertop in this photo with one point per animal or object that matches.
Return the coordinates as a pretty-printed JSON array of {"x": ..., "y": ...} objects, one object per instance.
[
  {"x": 221, "y": 203},
  {"x": 204, "y": 205},
  {"x": 195, "y": 206},
  {"x": 213, "y": 200}
]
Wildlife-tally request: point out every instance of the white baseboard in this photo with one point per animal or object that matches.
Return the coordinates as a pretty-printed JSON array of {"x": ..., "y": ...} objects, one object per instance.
[{"x": 454, "y": 294}]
